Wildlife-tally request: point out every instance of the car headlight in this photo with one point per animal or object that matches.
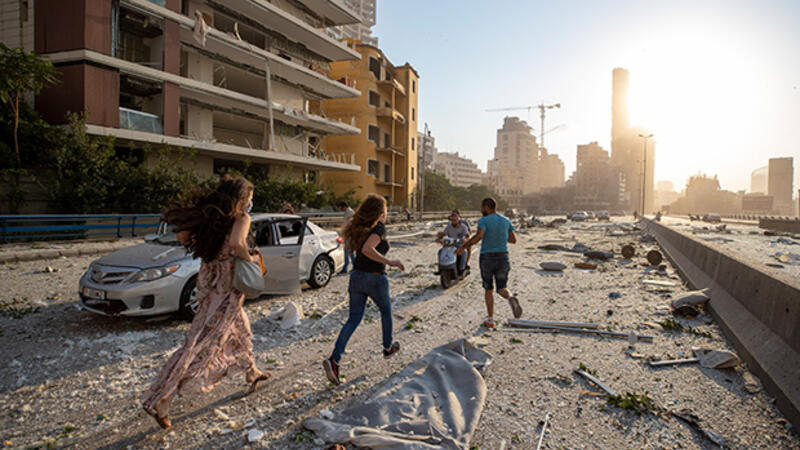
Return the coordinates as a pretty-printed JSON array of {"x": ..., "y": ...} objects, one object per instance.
[{"x": 154, "y": 273}]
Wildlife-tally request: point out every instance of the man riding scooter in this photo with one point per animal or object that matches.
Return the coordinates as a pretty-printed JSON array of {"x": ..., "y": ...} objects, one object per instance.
[{"x": 459, "y": 230}]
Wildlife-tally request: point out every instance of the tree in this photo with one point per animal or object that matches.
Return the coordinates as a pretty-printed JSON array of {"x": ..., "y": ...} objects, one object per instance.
[
  {"x": 21, "y": 72},
  {"x": 438, "y": 193}
]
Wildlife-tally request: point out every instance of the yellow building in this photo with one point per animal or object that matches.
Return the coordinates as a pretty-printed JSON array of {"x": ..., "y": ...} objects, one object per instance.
[{"x": 386, "y": 112}]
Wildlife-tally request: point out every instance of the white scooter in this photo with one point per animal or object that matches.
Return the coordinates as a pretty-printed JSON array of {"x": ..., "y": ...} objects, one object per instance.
[{"x": 449, "y": 271}]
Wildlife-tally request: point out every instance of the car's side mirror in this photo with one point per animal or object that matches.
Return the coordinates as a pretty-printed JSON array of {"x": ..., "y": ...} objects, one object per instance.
[{"x": 150, "y": 237}]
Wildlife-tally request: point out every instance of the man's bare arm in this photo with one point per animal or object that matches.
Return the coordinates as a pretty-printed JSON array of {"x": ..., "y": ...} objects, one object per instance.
[{"x": 512, "y": 238}]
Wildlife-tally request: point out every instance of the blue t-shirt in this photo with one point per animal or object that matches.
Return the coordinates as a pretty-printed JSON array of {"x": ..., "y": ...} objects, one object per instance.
[{"x": 495, "y": 233}]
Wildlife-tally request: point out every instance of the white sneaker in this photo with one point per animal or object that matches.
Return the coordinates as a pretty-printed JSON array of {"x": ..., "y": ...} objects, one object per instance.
[{"x": 489, "y": 322}]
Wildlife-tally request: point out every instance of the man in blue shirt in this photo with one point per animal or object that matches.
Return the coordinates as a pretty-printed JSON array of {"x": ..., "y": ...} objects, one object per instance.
[{"x": 495, "y": 232}]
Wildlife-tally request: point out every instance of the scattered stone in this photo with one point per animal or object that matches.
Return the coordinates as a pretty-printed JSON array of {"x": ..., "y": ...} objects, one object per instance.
[
  {"x": 254, "y": 435},
  {"x": 326, "y": 414},
  {"x": 552, "y": 266},
  {"x": 751, "y": 383}
]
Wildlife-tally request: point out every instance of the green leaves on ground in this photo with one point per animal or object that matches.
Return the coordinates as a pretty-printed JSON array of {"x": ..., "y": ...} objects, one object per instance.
[{"x": 639, "y": 403}]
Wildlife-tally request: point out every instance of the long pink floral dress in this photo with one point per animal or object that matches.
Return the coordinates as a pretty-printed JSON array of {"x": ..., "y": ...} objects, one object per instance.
[{"x": 219, "y": 342}]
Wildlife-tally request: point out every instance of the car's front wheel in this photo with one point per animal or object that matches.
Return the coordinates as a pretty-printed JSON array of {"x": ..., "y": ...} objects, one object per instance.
[
  {"x": 321, "y": 272},
  {"x": 188, "y": 306}
]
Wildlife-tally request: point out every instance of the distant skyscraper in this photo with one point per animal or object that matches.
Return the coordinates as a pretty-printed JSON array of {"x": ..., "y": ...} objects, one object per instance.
[
  {"x": 627, "y": 148},
  {"x": 620, "y": 116},
  {"x": 597, "y": 181},
  {"x": 367, "y": 9},
  {"x": 514, "y": 170},
  {"x": 781, "y": 184},
  {"x": 427, "y": 150},
  {"x": 758, "y": 180}
]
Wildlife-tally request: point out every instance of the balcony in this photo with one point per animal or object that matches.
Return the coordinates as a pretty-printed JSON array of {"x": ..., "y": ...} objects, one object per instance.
[
  {"x": 130, "y": 119},
  {"x": 393, "y": 83},
  {"x": 391, "y": 150},
  {"x": 294, "y": 29},
  {"x": 223, "y": 44},
  {"x": 334, "y": 11},
  {"x": 391, "y": 113},
  {"x": 388, "y": 183}
]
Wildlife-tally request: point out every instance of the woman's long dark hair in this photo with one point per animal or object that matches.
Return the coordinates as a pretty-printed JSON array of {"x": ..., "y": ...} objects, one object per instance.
[
  {"x": 208, "y": 216},
  {"x": 366, "y": 217}
]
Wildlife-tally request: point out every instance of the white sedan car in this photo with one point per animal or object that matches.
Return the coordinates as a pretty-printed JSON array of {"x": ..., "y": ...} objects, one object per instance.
[{"x": 159, "y": 276}]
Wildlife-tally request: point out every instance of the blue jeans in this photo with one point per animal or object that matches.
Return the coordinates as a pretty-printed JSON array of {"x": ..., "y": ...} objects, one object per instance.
[
  {"x": 494, "y": 268},
  {"x": 348, "y": 255},
  {"x": 365, "y": 285}
]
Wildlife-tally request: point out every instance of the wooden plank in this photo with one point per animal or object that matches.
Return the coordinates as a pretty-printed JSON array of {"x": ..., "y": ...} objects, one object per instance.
[
  {"x": 597, "y": 382},
  {"x": 522, "y": 323},
  {"x": 672, "y": 362},
  {"x": 583, "y": 330}
]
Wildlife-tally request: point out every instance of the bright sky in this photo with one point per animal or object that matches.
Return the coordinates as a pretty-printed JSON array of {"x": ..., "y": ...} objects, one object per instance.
[{"x": 718, "y": 82}]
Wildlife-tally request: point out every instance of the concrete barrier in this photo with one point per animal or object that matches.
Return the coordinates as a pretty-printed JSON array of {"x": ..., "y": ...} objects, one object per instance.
[
  {"x": 788, "y": 225},
  {"x": 758, "y": 313}
]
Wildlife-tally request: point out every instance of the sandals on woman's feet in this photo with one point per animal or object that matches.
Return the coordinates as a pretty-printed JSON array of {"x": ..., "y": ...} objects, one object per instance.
[
  {"x": 163, "y": 422},
  {"x": 254, "y": 383}
]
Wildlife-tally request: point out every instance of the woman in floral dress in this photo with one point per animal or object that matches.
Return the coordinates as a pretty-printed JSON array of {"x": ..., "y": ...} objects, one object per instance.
[{"x": 214, "y": 225}]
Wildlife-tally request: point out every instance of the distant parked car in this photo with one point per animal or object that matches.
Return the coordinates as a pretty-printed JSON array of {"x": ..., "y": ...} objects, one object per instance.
[
  {"x": 603, "y": 215},
  {"x": 159, "y": 276},
  {"x": 712, "y": 218},
  {"x": 579, "y": 216}
]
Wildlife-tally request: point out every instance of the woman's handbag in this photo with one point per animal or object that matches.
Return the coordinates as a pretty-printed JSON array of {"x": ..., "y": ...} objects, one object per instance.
[{"x": 247, "y": 278}]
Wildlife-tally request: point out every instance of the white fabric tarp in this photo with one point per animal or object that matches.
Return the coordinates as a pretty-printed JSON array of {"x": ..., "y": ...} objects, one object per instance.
[{"x": 435, "y": 402}]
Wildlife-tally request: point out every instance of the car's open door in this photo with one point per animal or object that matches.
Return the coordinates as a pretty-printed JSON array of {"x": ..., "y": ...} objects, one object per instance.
[{"x": 282, "y": 255}]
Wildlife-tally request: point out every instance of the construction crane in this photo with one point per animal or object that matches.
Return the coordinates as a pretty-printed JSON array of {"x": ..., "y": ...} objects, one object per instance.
[{"x": 542, "y": 109}]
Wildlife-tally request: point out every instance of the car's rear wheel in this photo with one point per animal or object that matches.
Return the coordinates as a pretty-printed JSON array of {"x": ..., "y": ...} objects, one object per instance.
[
  {"x": 321, "y": 272},
  {"x": 189, "y": 304}
]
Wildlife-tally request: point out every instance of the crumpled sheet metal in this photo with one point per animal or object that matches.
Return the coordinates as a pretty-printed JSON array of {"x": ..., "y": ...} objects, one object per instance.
[{"x": 434, "y": 403}]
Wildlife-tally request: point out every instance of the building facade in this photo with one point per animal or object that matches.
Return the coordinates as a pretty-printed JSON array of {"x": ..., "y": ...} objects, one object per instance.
[
  {"x": 427, "y": 150},
  {"x": 597, "y": 181},
  {"x": 361, "y": 31},
  {"x": 628, "y": 151},
  {"x": 551, "y": 171},
  {"x": 781, "y": 185},
  {"x": 460, "y": 171},
  {"x": 386, "y": 112},
  {"x": 514, "y": 170},
  {"x": 759, "y": 180},
  {"x": 233, "y": 81}
]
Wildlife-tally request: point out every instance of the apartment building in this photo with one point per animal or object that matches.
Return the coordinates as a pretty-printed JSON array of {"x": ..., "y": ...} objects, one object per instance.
[
  {"x": 460, "y": 171},
  {"x": 386, "y": 112},
  {"x": 361, "y": 31},
  {"x": 233, "y": 80},
  {"x": 514, "y": 170},
  {"x": 598, "y": 184}
]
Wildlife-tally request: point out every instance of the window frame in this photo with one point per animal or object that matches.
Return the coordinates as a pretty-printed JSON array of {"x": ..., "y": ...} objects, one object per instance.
[{"x": 378, "y": 170}]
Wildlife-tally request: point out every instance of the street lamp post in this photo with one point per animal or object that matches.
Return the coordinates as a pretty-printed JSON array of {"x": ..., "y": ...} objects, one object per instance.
[{"x": 644, "y": 169}]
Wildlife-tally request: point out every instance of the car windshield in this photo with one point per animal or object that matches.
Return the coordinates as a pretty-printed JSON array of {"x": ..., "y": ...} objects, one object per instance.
[{"x": 168, "y": 238}]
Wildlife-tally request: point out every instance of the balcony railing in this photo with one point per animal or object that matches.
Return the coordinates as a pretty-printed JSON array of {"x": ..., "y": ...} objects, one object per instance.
[
  {"x": 130, "y": 119},
  {"x": 391, "y": 113}
]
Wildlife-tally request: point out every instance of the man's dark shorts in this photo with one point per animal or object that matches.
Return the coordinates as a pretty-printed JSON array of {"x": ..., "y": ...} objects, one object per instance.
[{"x": 494, "y": 270}]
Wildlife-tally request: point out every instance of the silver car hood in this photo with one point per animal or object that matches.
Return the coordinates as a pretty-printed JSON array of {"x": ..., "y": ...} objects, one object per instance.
[{"x": 144, "y": 256}]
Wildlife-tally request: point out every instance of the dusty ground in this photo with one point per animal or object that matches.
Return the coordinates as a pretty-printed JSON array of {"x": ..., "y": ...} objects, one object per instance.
[{"x": 73, "y": 378}]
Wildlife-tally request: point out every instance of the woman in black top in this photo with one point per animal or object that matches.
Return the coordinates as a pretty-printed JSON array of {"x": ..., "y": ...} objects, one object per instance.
[{"x": 366, "y": 233}]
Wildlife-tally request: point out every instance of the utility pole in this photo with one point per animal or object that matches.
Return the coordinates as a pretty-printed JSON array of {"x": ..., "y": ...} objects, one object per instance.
[{"x": 644, "y": 169}]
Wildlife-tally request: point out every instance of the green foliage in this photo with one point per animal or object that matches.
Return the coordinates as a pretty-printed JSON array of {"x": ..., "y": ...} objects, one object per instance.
[
  {"x": 21, "y": 72},
  {"x": 269, "y": 192},
  {"x": 440, "y": 195},
  {"x": 635, "y": 402}
]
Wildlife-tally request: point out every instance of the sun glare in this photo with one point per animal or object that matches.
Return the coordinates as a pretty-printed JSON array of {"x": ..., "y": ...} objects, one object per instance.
[{"x": 688, "y": 89}]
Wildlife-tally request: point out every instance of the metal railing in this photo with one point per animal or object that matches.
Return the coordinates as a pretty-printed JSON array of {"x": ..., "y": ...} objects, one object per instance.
[
  {"x": 98, "y": 226},
  {"x": 58, "y": 226}
]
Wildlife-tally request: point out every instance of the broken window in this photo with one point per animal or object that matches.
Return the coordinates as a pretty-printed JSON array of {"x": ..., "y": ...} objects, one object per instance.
[
  {"x": 373, "y": 168},
  {"x": 387, "y": 173},
  {"x": 374, "y": 99},
  {"x": 239, "y": 30},
  {"x": 140, "y": 104},
  {"x": 374, "y": 134},
  {"x": 375, "y": 67},
  {"x": 137, "y": 37}
]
